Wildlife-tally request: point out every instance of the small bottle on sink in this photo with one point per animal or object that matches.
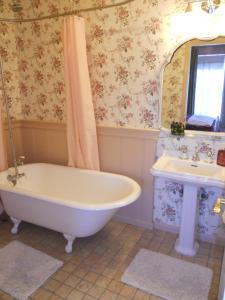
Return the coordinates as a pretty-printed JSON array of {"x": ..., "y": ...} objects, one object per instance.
[{"x": 221, "y": 157}]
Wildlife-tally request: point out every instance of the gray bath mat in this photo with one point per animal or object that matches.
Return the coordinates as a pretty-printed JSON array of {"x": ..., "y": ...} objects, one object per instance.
[
  {"x": 168, "y": 277},
  {"x": 23, "y": 269}
]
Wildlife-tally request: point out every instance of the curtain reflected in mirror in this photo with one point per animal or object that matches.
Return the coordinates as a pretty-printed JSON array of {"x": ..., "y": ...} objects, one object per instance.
[{"x": 194, "y": 86}]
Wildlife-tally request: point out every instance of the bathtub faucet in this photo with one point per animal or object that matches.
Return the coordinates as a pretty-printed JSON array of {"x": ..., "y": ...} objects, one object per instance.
[
  {"x": 20, "y": 160},
  {"x": 13, "y": 178}
]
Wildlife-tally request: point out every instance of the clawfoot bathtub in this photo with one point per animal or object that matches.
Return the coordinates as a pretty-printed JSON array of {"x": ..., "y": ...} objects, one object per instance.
[{"x": 76, "y": 202}]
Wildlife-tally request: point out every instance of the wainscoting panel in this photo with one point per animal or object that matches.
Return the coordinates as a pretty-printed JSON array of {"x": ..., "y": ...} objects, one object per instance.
[
  {"x": 131, "y": 152},
  {"x": 44, "y": 142},
  {"x": 124, "y": 151}
]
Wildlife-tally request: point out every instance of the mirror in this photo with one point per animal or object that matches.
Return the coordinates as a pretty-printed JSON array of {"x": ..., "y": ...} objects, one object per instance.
[{"x": 194, "y": 86}]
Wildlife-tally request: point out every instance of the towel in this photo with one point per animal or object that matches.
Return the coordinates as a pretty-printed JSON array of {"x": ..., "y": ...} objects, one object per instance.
[{"x": 201, "y": 120}]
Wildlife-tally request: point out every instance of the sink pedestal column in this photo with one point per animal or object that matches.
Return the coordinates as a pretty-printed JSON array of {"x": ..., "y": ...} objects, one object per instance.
[{"x": 186, "y": 243}]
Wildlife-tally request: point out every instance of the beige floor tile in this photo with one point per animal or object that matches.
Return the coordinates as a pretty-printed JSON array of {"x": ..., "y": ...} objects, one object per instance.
[
  {"x": 81, "y": 271},
  {"x": 121, "y": 298},
  {"x": 128, "y": 291},
  {"x": 72, "y": 281},
  {"x": 63, "y": 291},
  {"x": 188, "y": 259},
  {"x": 107, "y": 295},
  {"x": 52, "y": 285},
  {"x": 118, "y": 275},
  {"x": 141, "y": 296},
  {"x": 76, "y": 259},
  {"x": 75, "y": 295},
  {"x": 55, "y": 297},
  {"x": 98, "y": 268},
  {"x": 203, "y": 261},
  {"x": 115, "y": 286},
  {"x": 96, "y": 291},
  {"x": 87, "y": 297},
  {"x": 84, "y": 286},
  {"x": 154, "y": 246},
  {"x": 41, "y": 294},
  {"x": 203, "y": 251},
  {"x": 204, "y": 244},
  {"x": 60, "y": 276},
  {"x": 69, "y": 268},
  {"x": 5, "y": 296},
  {"x": 91, "y": 276},
  {"x": 103, "y": 281},
  {"x": 108, "y": 272}
]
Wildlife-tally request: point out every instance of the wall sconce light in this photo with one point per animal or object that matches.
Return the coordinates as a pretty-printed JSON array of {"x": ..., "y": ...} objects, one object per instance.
[{"x": 207, "y": 5}]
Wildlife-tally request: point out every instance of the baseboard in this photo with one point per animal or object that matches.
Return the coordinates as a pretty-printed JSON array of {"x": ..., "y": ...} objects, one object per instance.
[
  {"x": 202, "y": 237},
  {"x": 135, "y": 222},
  {"x": 166, "y": 227}
]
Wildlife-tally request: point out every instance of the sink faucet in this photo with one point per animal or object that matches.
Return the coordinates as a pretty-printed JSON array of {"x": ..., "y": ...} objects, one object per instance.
[{"x": 196, "y": 156}]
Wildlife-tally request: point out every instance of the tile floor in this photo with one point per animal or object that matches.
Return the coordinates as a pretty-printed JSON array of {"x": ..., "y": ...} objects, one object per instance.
[{"x": 94, "y": 269}]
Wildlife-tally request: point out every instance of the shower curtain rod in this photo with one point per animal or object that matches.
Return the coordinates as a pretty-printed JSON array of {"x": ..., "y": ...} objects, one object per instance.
[{"x": 73, "y": 12}]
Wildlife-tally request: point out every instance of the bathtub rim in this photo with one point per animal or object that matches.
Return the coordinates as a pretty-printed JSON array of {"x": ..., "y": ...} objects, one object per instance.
[{"x": 74, "y": 204}]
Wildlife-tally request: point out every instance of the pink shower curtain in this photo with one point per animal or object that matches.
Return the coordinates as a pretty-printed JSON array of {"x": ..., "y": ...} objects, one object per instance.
[
  {"x": 3, "y": 156},
  {"x": 81, "y": 126}
]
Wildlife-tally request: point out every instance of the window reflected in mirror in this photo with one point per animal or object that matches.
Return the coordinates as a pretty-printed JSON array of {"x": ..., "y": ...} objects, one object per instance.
[{"x": 194, "y": 86}]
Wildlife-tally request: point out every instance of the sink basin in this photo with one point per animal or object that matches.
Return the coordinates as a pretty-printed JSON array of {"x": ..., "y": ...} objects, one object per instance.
[{"x": 198, "y": 173}]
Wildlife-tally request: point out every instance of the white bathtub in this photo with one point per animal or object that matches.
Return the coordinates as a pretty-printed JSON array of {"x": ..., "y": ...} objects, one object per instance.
[{"x": 76, "y": 202}]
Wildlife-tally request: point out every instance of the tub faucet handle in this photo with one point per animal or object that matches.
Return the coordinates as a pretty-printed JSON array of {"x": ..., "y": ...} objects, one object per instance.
[
  {"x": 12, "y": 179},
  {"x": 21, "y": 159}
]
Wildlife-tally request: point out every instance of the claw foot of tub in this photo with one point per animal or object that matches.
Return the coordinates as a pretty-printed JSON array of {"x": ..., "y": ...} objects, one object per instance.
[
  {"x": 70, "y": 239},
  {"x": 16, "y": 223}
]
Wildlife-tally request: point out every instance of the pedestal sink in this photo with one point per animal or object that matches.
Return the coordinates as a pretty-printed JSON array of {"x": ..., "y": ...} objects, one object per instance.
[{"x": 191, "y": 175}]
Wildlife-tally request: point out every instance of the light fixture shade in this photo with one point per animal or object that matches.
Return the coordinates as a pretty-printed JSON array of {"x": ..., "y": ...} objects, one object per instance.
[
  {"x": 210, "y": 5},
  {"x": 207, "y": 5}
]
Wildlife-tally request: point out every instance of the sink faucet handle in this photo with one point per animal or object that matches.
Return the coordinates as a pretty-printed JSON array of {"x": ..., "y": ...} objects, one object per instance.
[
  {"x": 183, "y": 150},
  {"x": 210, "y": 155},
  {"x": 196, "y": 156}
]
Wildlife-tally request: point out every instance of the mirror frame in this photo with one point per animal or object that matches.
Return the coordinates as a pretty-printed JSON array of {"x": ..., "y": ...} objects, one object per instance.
[{"x": 168, "y": 58}]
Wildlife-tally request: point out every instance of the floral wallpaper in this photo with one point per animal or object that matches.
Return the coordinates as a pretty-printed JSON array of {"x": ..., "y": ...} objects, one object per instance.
[
  {"x": 126, "y": 46},
  {"x": 9, "y": 61},
  {"x": 207, "y": 145},
  {"x": 174, "y": 88}
]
